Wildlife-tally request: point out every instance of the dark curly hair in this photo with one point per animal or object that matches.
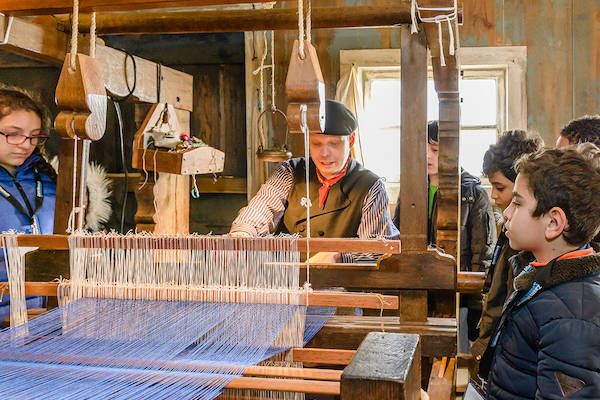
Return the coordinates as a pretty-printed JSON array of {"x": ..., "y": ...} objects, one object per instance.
[
  {"x": 510, "y": 147},
  {"x": 15, "y": 100},
  {"x": 568, "y": 178},
  {"x": 582, "y": 130}
]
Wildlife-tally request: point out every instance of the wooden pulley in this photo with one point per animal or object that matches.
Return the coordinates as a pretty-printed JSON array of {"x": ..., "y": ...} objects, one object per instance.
[
  {"x": 81, "y": 97},
  {"x": 305, "y": 85},
  {"x": 274, "y": 154}
]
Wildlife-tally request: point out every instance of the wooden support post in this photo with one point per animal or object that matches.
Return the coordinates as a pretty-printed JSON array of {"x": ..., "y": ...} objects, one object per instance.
[
  {"x": 413, "y": 170},
  {"x": 164, "y": 203},
  {"x": 413, "y": 305},
  {"x": 386, "y": 366}
]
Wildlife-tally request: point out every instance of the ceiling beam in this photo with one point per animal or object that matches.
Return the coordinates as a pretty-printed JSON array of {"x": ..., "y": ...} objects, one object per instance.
[
  {"x": 242, "y": 20},
  {"x": 37, "y": 7},
  {"x": 49, "y": 45}
]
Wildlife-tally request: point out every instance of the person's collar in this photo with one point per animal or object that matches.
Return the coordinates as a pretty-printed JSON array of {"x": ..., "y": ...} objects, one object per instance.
[{"x": 567, "y": 267}]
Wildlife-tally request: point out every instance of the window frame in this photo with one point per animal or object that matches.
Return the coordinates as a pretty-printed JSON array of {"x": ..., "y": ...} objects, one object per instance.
[{"x": 507, "y": 64}]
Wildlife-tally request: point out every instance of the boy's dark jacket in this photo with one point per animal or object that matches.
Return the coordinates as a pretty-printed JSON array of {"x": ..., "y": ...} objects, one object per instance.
[
  {"x": 477, "y": 225},
  {"x": 549, "y": 341}
]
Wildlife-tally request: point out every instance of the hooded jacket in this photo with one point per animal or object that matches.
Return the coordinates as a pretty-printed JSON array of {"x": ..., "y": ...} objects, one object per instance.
[
  {"x": 14, "y": 219},
  {"x": 546, "y": 344}
]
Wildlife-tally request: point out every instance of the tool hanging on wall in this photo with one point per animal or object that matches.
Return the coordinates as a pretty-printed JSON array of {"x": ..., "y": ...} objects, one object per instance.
[
  {"x": 275, "y": 153},
  {"x": 304, "y": 84},
  {"x": 81, "y": 97}
]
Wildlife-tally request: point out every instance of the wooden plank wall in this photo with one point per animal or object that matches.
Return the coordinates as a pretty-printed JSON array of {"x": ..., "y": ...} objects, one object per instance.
[
  {"x": 563, "y": 53},
  {"x": 562, "y": 36}
]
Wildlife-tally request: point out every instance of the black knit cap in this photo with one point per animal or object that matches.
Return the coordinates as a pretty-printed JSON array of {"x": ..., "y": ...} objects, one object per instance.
[{"x": 339, "y": 120}]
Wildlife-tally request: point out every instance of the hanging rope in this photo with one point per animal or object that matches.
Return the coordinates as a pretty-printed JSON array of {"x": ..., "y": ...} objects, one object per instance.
[
  {"x": 308, "y": 23},
  {"x": 93, "y": 35},
  {"x": 446, "y": 14},
  {"x": 273, "y": 106},
  {"x": 301, "y": 29},
  {"x": 74, "y": 34}
]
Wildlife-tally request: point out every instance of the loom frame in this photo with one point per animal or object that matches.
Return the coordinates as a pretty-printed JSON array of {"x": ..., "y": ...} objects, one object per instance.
[{"x": 415, "y": 251}]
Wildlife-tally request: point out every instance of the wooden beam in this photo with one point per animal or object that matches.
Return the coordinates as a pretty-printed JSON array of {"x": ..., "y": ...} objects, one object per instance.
[
  {"x": 446, "y": 84},
  {"x": 438, "y": 335},
  {"x": 60, "y": 242},
  {"x": 242, "y": 20},
  {"x": 322, "y": 356},
  {"x": 35, "y": 7},
  {"x": 48, "y": 45},
  {"x": 413, "y": 111},
  {"x": 386, "y": 366},
  {"x": 316, "y": 298},
  {"x": 411, "y": 271},
  {"x": 441, "y": 380}
]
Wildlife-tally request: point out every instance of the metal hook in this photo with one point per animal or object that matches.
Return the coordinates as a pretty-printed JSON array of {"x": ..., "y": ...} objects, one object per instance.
[{"x": 195, "y": 191}]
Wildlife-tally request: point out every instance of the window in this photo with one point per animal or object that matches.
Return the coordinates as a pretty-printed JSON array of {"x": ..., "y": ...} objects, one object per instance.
[{"x": 485, "y": 112}]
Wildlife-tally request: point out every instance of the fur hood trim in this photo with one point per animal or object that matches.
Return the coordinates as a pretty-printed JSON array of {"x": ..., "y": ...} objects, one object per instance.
[
  {"x": 558, "y": 271},
  {"x": 98, "y": 210}
]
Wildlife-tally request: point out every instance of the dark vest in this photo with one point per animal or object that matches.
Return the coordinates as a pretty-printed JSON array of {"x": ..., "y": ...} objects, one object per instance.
[{"x": 341, "y": 215}]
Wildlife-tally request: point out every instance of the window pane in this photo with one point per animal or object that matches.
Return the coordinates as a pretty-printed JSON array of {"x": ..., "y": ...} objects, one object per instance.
[
  {"x": 433, "y": 105},
  {"x": 383, "y": 109},
  {"x": 473, "y": 145},
  {"x": 381, "y": 152},
  {"x": 479, "y": 102}
]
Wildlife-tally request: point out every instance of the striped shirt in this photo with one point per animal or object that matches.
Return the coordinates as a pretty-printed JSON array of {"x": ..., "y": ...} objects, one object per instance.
[{"x": 266, "y": 209}]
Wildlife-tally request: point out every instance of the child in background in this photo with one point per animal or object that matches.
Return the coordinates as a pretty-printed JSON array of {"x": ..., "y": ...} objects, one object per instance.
[
  {"x": 498, "y": 164},
  {"x": 545, "y": 344}
]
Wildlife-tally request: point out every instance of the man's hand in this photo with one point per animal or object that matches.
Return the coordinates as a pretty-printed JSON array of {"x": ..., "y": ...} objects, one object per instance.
[
  {"x": 240, "y": 234},
  {"x": 326, "y": 257}
]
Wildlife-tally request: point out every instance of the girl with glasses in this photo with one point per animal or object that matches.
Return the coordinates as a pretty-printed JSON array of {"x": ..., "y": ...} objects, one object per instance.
[{"x": 27, "y": 181}]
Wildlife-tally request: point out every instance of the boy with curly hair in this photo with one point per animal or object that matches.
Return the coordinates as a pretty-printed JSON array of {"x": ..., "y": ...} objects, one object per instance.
[{"x": 545, "y": 344}]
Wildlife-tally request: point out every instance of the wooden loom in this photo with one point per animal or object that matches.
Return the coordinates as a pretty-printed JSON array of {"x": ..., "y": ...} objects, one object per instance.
[{"x": 415, "y": 270}]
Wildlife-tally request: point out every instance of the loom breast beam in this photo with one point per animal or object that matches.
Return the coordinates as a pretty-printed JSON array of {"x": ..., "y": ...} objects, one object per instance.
[
  {"x": 61, "y": 242},
  {"x": 81, "y": 97},
  {"x": 304, "y": 85}
]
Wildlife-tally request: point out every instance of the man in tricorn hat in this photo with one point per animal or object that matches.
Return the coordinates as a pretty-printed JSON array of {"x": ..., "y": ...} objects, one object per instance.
[{"x": 347, "y": 199}]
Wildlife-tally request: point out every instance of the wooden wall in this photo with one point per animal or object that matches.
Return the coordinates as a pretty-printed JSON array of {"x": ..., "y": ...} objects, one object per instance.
[
  {"x": 563, "y": 53},
  {"x": 562, "y": 36}
]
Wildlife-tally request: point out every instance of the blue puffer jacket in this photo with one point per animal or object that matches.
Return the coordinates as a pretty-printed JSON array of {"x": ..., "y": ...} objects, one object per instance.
[
  {"x": 11, "y": 218},
  {"x": 547, "y": 343}
]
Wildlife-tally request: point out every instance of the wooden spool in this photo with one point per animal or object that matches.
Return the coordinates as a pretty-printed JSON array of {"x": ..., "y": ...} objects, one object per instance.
[
  {"x": 305, "y": 85},
  {"x": 81, "y": 97}
]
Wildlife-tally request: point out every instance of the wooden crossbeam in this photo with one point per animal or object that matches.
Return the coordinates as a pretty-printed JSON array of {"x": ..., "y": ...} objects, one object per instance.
[
  {"x": 50, "y": 45},
  {"x": 316, "y": 298},
  {"x": 242, "y": 20},
  {"x": 322, "y": 356},
  {"x": 35, "y": 7},
  {"x": 61, "y": 242}
]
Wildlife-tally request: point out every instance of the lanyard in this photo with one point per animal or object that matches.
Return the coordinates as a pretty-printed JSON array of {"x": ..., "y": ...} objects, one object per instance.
[{"x": 39, "y": 199}]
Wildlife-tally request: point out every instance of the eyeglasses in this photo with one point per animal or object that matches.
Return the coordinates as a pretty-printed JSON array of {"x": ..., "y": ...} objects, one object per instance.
[{"x": 36, "y": 140}]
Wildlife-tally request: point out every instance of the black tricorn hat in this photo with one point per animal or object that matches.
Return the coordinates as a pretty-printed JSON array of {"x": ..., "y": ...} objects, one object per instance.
[{"x": 339, "y": 120}]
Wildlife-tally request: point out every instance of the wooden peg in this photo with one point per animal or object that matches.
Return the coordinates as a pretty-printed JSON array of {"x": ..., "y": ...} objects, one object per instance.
[
  {"x": 81, "y": 97},
  {"x": 305, "y": 85}
]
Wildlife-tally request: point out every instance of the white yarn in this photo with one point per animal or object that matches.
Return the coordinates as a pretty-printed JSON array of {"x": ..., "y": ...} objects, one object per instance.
[{"x": 7, "y": 30}]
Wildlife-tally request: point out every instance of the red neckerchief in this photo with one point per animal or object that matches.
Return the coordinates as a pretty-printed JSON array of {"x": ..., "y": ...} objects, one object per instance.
[{"x": 327, "y": 183}]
